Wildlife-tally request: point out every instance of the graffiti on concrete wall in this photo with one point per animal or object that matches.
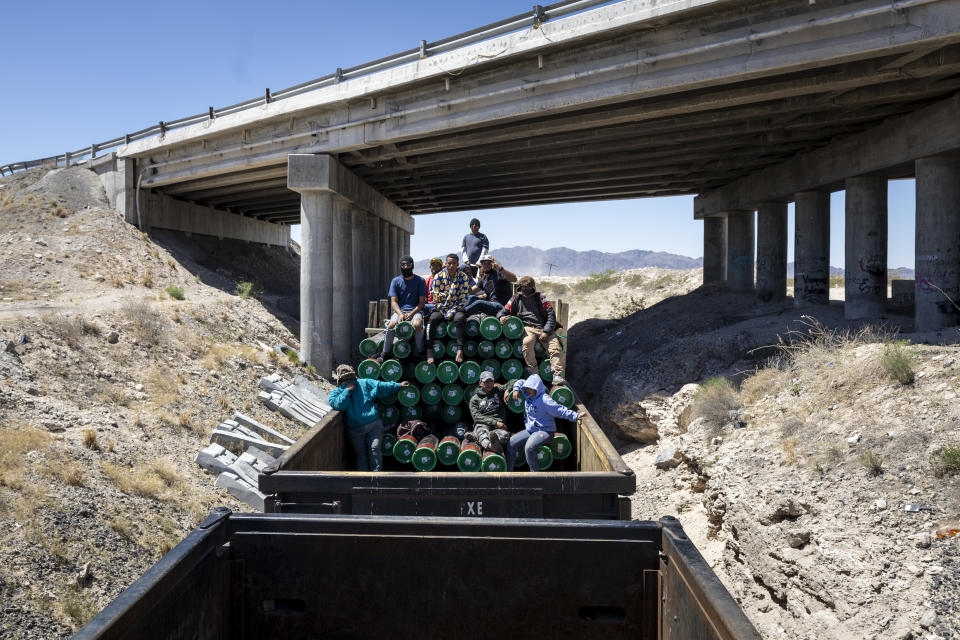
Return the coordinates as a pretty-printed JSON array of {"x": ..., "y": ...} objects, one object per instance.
[{"x": 872, "y": 279}]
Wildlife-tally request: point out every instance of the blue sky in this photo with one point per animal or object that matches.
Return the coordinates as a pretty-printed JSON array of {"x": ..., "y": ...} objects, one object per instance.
[{"x": 76, "y": 73}]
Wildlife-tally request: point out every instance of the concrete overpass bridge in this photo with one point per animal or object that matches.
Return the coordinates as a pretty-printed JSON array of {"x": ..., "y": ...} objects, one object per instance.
[{"x": 748, "y": 105}]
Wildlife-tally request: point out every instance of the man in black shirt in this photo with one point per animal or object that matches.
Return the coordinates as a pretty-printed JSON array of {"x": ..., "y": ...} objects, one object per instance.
[
  {"x": 474, "y": 245},
  {"x": 539, "y": 323}
]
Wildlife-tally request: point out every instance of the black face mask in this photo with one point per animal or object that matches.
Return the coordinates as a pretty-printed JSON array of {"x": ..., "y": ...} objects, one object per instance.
[
  {"x": 526, "y": 291},
  {"x": 406, "y": 272}
]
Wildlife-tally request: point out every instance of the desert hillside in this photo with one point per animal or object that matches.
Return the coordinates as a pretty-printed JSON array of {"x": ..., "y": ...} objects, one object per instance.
[{"x": 788, "y": 445}]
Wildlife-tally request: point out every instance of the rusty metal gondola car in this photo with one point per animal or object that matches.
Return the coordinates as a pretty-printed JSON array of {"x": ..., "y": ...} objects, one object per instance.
[
  {"x": 294, "y": 576},
  {"x": 313, "y": 476}
]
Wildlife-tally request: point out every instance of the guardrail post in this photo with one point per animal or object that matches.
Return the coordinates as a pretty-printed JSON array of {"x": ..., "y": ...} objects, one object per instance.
[
  {"x": 93, "y": 151},
  {"x": 66, "y": 159}
]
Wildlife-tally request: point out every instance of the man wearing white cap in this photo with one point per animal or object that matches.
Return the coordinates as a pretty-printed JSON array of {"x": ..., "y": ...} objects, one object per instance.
[{"x": 492, "y": 289}]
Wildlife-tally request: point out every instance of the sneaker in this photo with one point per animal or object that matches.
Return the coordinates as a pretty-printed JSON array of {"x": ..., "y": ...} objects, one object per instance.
[
  {"x": 380, "y": 357},
  {"x": 558, "y": 381}
]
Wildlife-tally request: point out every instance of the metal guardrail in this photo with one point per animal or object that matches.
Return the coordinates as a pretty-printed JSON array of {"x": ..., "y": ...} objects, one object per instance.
[{"x": 539, "y": 15}]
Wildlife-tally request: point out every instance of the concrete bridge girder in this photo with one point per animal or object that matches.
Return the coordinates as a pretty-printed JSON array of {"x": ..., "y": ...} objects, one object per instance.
[{"x": 511, "y": 98}]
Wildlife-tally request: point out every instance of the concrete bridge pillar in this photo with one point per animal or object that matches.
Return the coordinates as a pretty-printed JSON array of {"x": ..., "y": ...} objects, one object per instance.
[
  {"x": 405, "y": 249},
  {"x": 865, "y": 262},
  {"x": 771, "y": 251},
  {"x": 714, "y": 249},
  {"x": 316, "y": 279},
  {"x": 394, "y": 250},
  {"x": 740, "y": 234},
  {"x": 343, "y": 303},
  {"x": 359, "y": 258},
  {"x": 937, "y": 263},
  {"x": 344, "y": 257},
  {"x": 811, "y": 267},
  {"x": 387, "y": 265}
]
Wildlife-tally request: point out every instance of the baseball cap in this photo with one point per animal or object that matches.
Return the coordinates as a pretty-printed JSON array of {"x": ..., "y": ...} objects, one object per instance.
[
  {"x": 486, "y": 257},
  {"x": 485, "y": 375},
  {"x": 436, "y": 261}
]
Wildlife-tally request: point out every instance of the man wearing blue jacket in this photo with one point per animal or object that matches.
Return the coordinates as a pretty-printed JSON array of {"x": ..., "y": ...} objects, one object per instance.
[
  {"x": 355, "y": 399},
  {"x": 539, "y": 414}
]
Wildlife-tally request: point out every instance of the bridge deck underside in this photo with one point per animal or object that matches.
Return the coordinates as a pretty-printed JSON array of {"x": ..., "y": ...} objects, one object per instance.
[{"x": 659, "y": 145}]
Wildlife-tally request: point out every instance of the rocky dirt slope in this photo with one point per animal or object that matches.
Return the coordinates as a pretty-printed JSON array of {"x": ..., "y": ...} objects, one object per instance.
[
  {"x": 797, "y": 497},
  {"x": 108, "y": 388}
]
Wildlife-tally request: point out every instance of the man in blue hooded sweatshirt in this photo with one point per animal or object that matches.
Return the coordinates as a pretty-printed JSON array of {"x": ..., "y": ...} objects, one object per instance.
[
  {"x": 539, "y": 413},
  {"x": 355, "y": 399}
]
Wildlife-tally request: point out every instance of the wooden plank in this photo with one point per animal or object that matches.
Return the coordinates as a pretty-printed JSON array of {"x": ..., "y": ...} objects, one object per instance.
[
  {"x": 372, "y": 313},
  {"x": 384, "y": 312}
]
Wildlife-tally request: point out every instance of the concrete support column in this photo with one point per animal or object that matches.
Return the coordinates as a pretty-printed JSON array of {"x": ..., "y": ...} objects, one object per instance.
[
  {"x": 316, "y": 279},
  {"x": 740, "y": 234},
  {"x": 405, "y": 249},
  {"x": 374, "y": 256},
  {"x": 342, "y": 282},
  {"x": 771, "y": 251},
  {"x": 395, "y": 249},
  {"x": 386, "y": 262},
  {"x": 714, "y": 249},
  {"x": 865, "y": 261},
  {"x": 811, "y": 266},
  {"x": 359, "y": 226},
  {"x": 937, "y": 263}
]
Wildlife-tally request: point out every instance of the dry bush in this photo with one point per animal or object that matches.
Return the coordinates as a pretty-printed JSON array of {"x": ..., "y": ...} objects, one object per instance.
[
  {"x": 113, "y": 394},
  {"x": 714, "y": 401},
  {"x": 117, "y": 282},
  {"x": 146, "y": 325},
  {"x": 790, "y": 454},
  {"x": 79, "y": 607},
  {"x": 946, "y": 461},
  {"x": 764, "y": 382},
  {"x": 166, "y": 471},
  {"x": 146, "y": 280},
  {"x": 223, "y": 402},
  {"x": 66, "y": 329},
  {"x": 624, "y": 307},
  {"x": 161, "y": 385},
  {"x": 90, "y": 439},
  {"x": 873, "y": 463},
  {"x": 791, "y": 426},
  {"x": 896, "y": 362},
  {"x": 121, "y": 526},
  {"x": 71, "y": 474}
]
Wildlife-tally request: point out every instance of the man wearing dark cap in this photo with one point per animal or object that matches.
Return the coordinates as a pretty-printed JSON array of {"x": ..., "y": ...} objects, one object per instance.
[
  {"x": 408, "y": 295},
  {"x": 475, "y": 244}
]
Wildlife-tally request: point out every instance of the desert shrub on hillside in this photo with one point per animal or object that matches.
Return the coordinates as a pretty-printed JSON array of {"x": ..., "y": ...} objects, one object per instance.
[
  {"x": 249, "y": 290},
  {"x": 146, "y": 325},
  {"x": 625, "y": 307},
  {"x": 872, "y": 462},
  {"x": 596, "y": 281},
  {"x": 946, "y": 461},
  {"x": 896, "y": 362},
  {"x": 714, "y": 401},
  {"x": 175, "y": 292},
  {"x": 71, "y": 329}
]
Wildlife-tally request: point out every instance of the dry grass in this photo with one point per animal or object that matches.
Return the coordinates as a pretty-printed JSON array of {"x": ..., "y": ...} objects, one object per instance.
[
  {"x": 90, "y": 439},
  {"x": 221, "y": 352},
  {"x": 897, "y": 362},
  {"x": 146, "y": 325},
  {"x": 946, "y": 461},
  {"x": 763, "y": 383},
  {"x": 78, "y": 607},
  {"x": 161, "y": 385},
  {"x": 790, "y": 454},
  {"x": 154, "y": 480},
  {"x": 71, "y": 474},
  {"x": 15, "y": 442}
]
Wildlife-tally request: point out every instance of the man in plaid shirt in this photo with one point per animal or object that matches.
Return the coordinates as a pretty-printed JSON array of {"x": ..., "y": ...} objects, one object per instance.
[{"x": 449, "y": 289}]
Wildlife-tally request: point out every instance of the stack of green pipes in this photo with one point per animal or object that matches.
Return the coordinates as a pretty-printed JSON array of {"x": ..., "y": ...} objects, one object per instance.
[{"x": 439, "y": 393}]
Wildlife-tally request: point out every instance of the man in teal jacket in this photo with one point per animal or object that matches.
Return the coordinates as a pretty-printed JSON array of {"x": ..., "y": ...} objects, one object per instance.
[{"x": 355, "y": 399}]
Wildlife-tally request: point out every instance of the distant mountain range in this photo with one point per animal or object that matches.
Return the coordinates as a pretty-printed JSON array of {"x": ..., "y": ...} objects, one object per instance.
[{"x": 567, "y": 262}]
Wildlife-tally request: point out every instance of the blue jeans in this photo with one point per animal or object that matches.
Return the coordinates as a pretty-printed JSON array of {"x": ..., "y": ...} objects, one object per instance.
[
  {"x": 530, "y": 442},
  {"x": 388, "y": 335},
  {"x": 366, "y": 442},
  {"x": 479, "y": 305}
]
